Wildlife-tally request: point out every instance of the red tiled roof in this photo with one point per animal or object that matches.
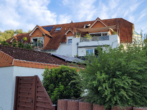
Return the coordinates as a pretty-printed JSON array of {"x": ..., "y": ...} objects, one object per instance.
[
  {"x": 125, "y": 29},
  {"x": 19, "y": 37},
  {"x": 44, "y": 31},
  {"x": 32, "y": 56},
  {"x": 59, "y": 36}
]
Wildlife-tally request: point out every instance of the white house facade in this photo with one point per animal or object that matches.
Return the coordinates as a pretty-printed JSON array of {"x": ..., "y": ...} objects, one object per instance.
[{"x": 81, "y": 46}]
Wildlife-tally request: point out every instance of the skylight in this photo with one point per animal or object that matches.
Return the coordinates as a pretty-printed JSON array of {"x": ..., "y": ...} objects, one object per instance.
[{"x": 58, "y": 29}]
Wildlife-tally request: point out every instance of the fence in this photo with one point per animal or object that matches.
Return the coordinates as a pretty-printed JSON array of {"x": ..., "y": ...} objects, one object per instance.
[{"x": 67, "y": 104}]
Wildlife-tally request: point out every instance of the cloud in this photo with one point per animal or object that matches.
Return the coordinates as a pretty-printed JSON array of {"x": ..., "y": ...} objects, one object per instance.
[
  {"x": 25, "y": 14},
  {"x": 82, "y": 9},
  {"x": 142, "y": 14},
  {"x": 64, "y": 19}
]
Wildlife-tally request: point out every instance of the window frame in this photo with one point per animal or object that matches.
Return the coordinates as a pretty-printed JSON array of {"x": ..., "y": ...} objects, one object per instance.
[
  {"x": 87, "y": 53},
  {"x": 57, "y": 28},
  {"x": 68, "y": 41},
  {"x": 100, "y": 33},
  {"x": 38, "y": 38}
]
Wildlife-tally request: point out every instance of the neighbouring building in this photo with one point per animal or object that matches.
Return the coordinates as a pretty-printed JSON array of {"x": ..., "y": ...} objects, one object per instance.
[
  {"x": 21, "y": 62},
  {"x": 76, "y": 39}
]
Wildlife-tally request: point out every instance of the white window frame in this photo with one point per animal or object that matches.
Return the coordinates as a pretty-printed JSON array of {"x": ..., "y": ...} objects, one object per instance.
[
  {"x": 90, "y": 49},
  {"x": 58, "y": 27},
  {"x": 68, "y": 42},
  {"x": 69, "y": 37},
  {"x": 37, "y": 39}
]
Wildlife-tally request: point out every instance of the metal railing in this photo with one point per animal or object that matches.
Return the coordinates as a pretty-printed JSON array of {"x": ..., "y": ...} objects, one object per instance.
[
  {"x": 96, "y": 38},
  {"x": 37, "y": 45}
]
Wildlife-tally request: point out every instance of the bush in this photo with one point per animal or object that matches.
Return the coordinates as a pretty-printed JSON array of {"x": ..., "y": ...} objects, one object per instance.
[
  {"x": 60, "y": 83},
  {"x": 14, "y": 43},
  {"x": 117, "y": 77},
  {"x": 4, "y": 43},
  {"x": 28, "y": 46},
  {"x": 20, "y": 45}
]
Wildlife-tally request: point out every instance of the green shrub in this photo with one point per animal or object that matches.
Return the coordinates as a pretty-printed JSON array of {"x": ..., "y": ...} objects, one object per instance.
[
  {"x": 116, "y": 77},
  {"x": 14, "y": 43},
  {"x": 20, "y": 45},
  {"x": 60, "y": 83},
  {"x": 28, "y": 46},
  {"x": 4, "y": 43}
]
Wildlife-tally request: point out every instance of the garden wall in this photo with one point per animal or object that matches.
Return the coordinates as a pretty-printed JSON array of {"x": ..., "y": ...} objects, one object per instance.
[{"x": 67, "y": 104}]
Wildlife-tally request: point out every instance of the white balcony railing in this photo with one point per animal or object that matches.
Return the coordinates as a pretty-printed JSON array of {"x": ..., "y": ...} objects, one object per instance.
[{"x": 96, "y": 38}]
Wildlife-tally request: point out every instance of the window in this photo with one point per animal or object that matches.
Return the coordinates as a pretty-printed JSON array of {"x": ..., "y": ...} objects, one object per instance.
[
  {"x": 95, "y": 35},
  {"x": 87, "y": 25},
  {"x": 38, "y": 42},
  {"x": 89, "y": 51},
  {"x": 58, "y": 29},
  {"x": 69, "y": 41},
  {"x": 99, "y": 34},
  {"x": 96, "y": 53},
  {"x": 104, "y": 34}
]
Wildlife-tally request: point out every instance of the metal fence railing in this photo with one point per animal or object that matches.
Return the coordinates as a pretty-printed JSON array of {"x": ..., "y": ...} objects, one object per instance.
[{"x": 96, "y": 38}]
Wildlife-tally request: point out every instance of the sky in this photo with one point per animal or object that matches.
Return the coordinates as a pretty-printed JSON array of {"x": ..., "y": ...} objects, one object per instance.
[{"x": 26, "y": 14}]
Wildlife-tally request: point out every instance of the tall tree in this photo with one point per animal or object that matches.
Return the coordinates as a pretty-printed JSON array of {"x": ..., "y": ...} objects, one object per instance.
[{"x": 7, "y": 34}]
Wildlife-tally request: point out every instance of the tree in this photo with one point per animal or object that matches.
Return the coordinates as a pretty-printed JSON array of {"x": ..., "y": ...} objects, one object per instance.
[
  {"x": 29, "y": 31},
  {"x": 19, "y": 31},
  {"x": 117, "y": 77},
  {"x": 145, "y": 40},
  {"x": 58, "y": 83},
  {"x": 7, "y": 34}
]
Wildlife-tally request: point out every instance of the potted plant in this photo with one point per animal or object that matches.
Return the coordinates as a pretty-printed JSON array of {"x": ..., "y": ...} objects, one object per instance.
[
  {"x": 88, "y": 37},
  {"x": 25, "y": 39}
]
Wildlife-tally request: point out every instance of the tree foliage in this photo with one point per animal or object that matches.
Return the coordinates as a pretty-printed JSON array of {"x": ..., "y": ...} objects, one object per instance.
[
  {"x": 116, "y": 77},
  {"x": 60, "y": 83},
  {"x": 7, "y": 34}
]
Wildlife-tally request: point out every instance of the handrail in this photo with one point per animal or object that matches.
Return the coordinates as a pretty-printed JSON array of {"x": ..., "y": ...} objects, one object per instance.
[{"x": 96, "y": 38}]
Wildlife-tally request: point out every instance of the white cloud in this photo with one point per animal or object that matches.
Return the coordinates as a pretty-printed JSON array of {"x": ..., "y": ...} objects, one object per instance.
[
  {"x": 25, "y": 14},
  {"x": 64, "y": 19},
  {"x": 82, "y": 9},
  {"x": 131, "y": 18},
  {"x": 113, "y": 3},
  {"x": 142, "y": 14}
]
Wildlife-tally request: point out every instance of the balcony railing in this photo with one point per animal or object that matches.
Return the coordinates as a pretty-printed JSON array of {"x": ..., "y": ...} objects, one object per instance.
[
  {"x": 37, "y": 45},
  {"x": 97, "y": 38}
]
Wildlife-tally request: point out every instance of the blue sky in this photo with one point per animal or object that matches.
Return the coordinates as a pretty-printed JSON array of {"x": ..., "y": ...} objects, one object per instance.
[{"x": 25, "y": 14}]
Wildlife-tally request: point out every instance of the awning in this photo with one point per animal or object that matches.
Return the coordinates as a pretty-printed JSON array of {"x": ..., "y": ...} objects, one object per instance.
[{"x": 96, "y": 29}]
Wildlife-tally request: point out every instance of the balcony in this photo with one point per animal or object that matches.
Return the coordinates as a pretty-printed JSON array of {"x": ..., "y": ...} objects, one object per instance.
[
  {"x": 96, "y": 38},
  {"x": 37, "y": 45}
]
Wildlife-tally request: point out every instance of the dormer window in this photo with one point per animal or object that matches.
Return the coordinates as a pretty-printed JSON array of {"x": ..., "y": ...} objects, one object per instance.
[
  {"x": 38, "y": 42},
  {"x": 86, "y": 25},
  {"x": 58, "y": 29}
]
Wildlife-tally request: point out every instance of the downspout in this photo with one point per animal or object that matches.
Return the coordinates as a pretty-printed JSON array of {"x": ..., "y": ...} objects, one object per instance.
[{"x": 77, "y": 48}]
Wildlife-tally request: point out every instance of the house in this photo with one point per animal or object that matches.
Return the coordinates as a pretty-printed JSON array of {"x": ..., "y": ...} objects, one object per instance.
[
  {"x": 21, "y": 62},
  {"x": 76, "y": 39}
]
